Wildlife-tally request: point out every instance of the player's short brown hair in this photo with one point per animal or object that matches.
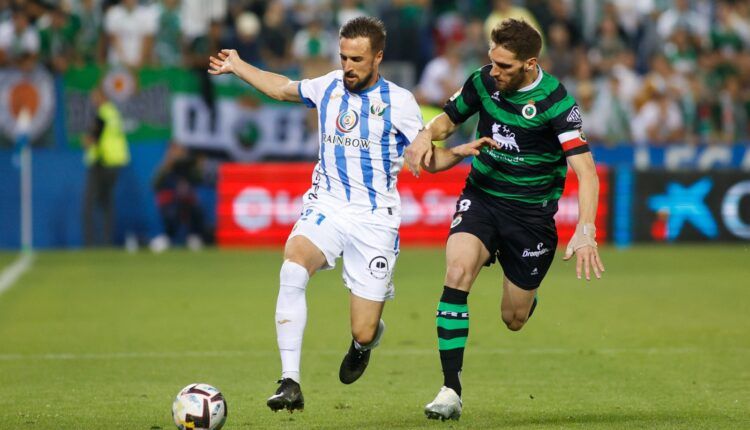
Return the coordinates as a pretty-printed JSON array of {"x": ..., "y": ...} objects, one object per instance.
[
  {"x": 518, "y": 37},
  {"x": 365, "y": 26}
]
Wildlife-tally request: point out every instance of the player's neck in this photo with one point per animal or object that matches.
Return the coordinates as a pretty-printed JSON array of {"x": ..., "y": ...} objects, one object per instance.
[
  {"x": 370, "y": 84},
  {"x": 531, "y": 77}
]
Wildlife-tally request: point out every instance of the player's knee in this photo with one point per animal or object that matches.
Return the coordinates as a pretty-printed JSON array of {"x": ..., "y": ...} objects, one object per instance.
[
  {"x": 457, "y": 275},
  {"x": 363, "y": 335},
  {"x": 514, "y": 320}
]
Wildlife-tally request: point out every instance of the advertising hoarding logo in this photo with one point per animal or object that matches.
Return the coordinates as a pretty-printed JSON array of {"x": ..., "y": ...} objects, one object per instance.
[{"x": 686, "y": 205}]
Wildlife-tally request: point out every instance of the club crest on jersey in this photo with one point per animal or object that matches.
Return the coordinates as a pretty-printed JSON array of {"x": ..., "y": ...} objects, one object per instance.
[
  {"x": 529, "y": 110},
  {"x": 505, "y": 137},
  {"x": 378, "y": 108},
  {"x": 347, "y": 120}
]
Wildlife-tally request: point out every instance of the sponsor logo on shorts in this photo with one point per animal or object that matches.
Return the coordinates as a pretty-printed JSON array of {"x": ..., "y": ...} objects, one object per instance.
[
  {"x": 456, "y": 221},
  {"x": 535, "y": 272},
  {"x": 540, "y": 250},
  {"x": 378, "y": 267}
]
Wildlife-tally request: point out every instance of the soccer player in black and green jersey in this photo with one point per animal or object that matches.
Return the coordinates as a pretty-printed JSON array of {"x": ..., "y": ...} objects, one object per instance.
[{"x": 507, "y": 207}]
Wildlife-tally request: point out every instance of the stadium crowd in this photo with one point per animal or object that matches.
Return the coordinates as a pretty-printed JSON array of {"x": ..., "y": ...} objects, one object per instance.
[{"x": 643, "y": 71}]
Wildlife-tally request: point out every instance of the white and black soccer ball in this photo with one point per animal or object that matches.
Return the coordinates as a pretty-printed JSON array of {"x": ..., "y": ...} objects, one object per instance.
[{"x": 199, "y": 407}]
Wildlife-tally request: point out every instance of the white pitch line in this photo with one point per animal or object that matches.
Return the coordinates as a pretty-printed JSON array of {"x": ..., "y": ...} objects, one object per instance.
[
  {"x": 384, "y": 351},
  {"x": 11, "y": 273}
]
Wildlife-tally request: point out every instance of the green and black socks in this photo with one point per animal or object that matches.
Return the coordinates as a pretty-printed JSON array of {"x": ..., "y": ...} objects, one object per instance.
[{"x": 453, "y": 330}]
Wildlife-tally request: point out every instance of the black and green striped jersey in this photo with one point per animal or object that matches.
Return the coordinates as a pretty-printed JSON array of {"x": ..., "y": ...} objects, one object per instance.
[{"x": 536, "y": 127}]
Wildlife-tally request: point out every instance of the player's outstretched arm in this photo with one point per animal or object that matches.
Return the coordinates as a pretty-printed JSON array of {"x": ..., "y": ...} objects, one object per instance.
[
  {"x": 418, "y": 154},
  {"x": 583, "y": 242},
  {"x": 445, "y": 158},
  {"x": 273, "y": 85}
]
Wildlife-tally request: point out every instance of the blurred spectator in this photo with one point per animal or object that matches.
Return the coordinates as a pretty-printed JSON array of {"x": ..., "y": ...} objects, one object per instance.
[
  {"x": 244, "y": 38},
  {"x": 175, "y": 183},
  {"x": 560, "y": 57},
  {"x": 409, "y": 38},
  {"x": 198, "y": 50},
  {"x": 605, "y": 116},
  {"x": 106, "y": 153},
  {"x": 681, "y": 50},
  {"x": 130, "y": 30},
  {"x": 682, "y": 16},
  {"x": 88, "y": 43},
  {"x": 313, "y": 42},
  {"x": 474, "y": 46},
  {"x": 441, "y": 78},
  {"x": 659, "y": 120},
  {"x": 168, "y": 47},
  {"x": 504, "y": 9},
  {"x": 197, "y": 15},
  {"x": 630, "y": 15},
  {"x": 731, "y": 33},
  {"x": 348, "y": 10},
  {"x": 19, "y": 41},
  {"x": 733, "y": 111},
  {"x": 609, "y": 45},
  {"x": 276, "y": 38},
  {"x": 559, "y": 14},
  {"x": 58, "y": 40}
]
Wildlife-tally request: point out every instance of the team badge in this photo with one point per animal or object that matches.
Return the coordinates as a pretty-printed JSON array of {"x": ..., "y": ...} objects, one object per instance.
[
  {"x": 378, "y": 108},
  {"x": 456, "y": 221},
  {"x": 529, "y": 110}
]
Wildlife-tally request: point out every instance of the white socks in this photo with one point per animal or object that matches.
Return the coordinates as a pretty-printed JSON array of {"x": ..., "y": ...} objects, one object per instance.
[{"x": 291, "y": 317}]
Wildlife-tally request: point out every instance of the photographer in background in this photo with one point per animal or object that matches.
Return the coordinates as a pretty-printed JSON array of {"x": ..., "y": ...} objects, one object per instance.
[{"x": 175, "y": 186}]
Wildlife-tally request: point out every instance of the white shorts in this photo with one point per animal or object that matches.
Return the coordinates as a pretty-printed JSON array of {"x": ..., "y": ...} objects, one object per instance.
[{"x": 369, "y": 251}]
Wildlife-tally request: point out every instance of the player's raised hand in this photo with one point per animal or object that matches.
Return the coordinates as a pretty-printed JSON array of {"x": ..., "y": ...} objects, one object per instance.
[
  {"x": 474, "y": 147},
  {"x": 419, "y": 151},
  {"x": 224, "y": 62},
  {"x": 583, "y": 245}
]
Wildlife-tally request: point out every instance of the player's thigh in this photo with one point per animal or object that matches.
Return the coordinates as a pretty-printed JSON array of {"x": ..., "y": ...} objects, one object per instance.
[
  {"x": 465, "y": 254},
  {"x": 316, "y": 240},
  {"x": 369, "y": 259}
]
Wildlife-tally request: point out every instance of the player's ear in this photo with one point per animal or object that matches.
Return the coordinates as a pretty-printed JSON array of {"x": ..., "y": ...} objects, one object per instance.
[
  {"x": 530, "y": 64},
  {"x": 378, "y": 57}
]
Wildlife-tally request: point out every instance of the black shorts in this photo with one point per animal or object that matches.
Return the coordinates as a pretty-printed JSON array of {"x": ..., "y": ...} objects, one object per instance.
[{"x": 524, "y": 245}]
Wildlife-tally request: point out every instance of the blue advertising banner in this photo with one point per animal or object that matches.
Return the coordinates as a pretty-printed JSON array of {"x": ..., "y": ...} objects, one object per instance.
[
  {"x": 679, "y": 207},
  {"x": 677, "y": 157}
]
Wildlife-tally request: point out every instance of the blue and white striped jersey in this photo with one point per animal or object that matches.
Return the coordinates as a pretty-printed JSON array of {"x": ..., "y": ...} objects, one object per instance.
[{"x": 362, "y": 138}]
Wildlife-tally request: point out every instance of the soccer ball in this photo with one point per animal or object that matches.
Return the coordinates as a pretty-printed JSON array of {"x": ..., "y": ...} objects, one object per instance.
[{"x": 199, "y": 407}]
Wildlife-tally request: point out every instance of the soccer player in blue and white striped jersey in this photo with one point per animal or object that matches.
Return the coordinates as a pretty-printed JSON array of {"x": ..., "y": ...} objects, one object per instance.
[{"x": 352, "y": 208}]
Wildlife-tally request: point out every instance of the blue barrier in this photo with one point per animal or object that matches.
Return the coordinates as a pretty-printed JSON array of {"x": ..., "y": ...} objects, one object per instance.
[{"x": 58, "y": 182}]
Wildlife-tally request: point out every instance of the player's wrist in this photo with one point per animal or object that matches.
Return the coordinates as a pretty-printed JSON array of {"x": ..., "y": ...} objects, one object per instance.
[{"x": 585, "y": 235}]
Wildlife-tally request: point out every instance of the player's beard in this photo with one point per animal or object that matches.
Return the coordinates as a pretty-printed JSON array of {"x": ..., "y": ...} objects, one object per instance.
[
  {"x": 514, "y": 84},
  {"x": 360, "y": 84}
]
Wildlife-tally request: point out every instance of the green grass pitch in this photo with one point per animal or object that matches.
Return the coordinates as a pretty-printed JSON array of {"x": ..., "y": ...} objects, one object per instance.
[{"x": 104, "y": 340}]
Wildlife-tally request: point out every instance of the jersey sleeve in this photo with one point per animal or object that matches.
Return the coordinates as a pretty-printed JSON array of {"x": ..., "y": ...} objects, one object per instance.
[
  {"x": 567, "y": 126},
  {"x": 408, "y": 120},
  {"x": 465, "y": 102},
  {"x": 311, "y": 90}
]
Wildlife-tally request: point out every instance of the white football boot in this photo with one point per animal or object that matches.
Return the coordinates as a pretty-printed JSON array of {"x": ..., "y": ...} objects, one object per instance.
[{"x": 446, "y": 406}]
